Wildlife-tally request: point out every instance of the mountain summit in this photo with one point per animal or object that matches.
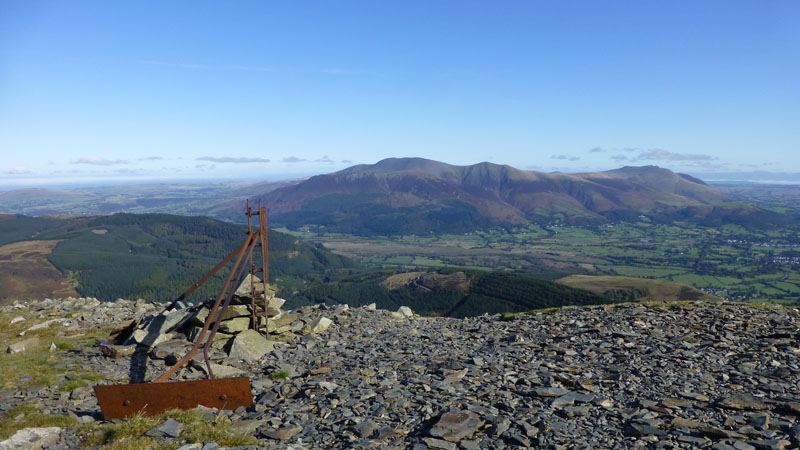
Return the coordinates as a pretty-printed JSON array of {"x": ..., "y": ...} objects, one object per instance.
[{"x": 417, "y": 195}]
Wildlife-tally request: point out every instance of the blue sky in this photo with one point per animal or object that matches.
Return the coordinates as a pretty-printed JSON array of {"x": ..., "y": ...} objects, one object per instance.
[{"x": 120, "y": 91}]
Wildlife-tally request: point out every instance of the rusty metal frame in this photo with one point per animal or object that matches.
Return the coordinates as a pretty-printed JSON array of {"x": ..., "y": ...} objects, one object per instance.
[
  {"x": 118, "y": 401},
  {"x": 213, "y": 315}
]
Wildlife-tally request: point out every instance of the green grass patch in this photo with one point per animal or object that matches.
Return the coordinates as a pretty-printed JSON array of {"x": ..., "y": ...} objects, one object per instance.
[
  {"x": 657, "y": 272},
  {"x": 428, "y": 262},
  {"x": 691, "y": 279},
  {"x": 728, "y": 281},
  {"x": 36, "y": 367},
  {"x": 128, "y": 434},
  {"x": 280, "y": 375},
  {"x": 791, "y": 288},
  {"x": 399, "y": 260},
  {"x": 507, "y": 317}
]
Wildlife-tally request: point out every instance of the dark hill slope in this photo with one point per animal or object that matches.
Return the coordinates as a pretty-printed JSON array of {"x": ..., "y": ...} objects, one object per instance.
[
  {"x": 416, "y": 195},
  {"x": 158, "y": 256},
  {"x": 448, "y": 292}
]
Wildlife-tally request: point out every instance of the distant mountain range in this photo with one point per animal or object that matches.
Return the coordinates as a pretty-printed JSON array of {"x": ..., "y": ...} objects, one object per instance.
[{"x": 417, "y": 196}]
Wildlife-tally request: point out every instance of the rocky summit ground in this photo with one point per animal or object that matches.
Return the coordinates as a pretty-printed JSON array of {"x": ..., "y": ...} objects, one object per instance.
[{"x": 691, "y": 375}]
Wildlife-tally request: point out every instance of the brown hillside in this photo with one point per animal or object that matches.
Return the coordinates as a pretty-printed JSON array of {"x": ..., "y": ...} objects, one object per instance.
[{"x": 25, "y": 272}]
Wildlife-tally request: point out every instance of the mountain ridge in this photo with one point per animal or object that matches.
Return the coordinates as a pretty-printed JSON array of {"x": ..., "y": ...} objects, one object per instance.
[{"x": 417, "y": 190}]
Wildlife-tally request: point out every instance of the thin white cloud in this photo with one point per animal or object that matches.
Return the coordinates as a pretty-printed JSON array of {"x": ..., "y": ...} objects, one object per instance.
[
  {"x": 98, "y": 161},
  {"x": 565, "y": 157},
  {"x": 229, "y": 159},
  {"x": 619, "y": 158},
  {"x": 658, "y": 154},
  {"x": 292, "y": 159},
  {"x": 325, "y": 159},
  {"x": 614, "y": 149},
  {"x": 205, "y": 166},
  {"x": 150, "y": 158},
  {"x": 347, "y": 161},
  {"x": 19, "y": 170}
]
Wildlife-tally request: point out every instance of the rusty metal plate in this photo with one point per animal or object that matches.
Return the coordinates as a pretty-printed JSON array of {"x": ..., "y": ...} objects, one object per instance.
[{"x": 149, "y": 399}]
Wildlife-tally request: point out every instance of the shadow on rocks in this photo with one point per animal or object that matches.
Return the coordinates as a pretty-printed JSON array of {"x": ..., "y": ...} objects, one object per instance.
[{"x": 138, "y": 370}]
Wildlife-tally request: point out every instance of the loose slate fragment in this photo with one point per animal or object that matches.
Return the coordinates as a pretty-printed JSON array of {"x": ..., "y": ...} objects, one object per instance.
[{"x": 456, "y": 425}]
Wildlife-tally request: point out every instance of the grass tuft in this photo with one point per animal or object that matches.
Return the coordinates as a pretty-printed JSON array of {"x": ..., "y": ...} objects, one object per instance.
[
  {"x": 128, "y": 434},
  {"x": 280, "y": 375}
]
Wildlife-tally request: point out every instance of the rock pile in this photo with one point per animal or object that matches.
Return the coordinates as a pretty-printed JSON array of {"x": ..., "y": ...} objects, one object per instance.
[
  {"x": 169, "y": 334},
  {"x": 691, "y": 375}
]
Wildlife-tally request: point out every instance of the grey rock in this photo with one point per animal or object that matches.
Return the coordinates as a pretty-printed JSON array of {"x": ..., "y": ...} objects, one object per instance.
[
  {"x": 340, "y": 309},
  {"x": 80, "y": 393},
  {"x": 235, "y": 325},
  {"x": 171, "y": 428},
  {"x": 321, "y": 324},
  {"x": 32, "y": 438},
  {"x": 116, "y": 351},
  {"x": 550, "y": 391},
  {"x": 456, "y": 425},
  {"x": 439, "y": 443},
  {"x": 191, "y": 447},
  {"x": 146, "y": 338},
  {"x": 760, "y": 421},
  {"x": 366, "y": 428},
  {"x": 285, "y": 433},
  {"x": 743, "y": 402},
  {"x": 23, "y": 346},
  {"x": 250, "y": 346},
  {"x": 244, "y": 289},
  {"x": 219, "y": 370},
  {"x": 640, "y": 430},
  {"x": 770, "y": 444}
]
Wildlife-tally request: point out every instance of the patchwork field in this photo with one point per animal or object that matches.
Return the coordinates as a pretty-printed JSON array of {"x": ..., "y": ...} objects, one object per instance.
[{"x": 728, "y": 261}]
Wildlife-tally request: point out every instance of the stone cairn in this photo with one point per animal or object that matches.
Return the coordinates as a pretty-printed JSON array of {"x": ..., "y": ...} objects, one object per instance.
[{"x": 168, "y": 335}]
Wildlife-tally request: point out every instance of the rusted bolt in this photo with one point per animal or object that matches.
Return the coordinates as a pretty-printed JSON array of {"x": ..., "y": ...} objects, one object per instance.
[
  {"x": 223, "y": 397},
  {"x": 126, "y": 403}
]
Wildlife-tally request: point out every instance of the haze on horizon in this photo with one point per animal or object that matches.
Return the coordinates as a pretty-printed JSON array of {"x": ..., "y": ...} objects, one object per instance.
[{"x": 113, "y": 92}]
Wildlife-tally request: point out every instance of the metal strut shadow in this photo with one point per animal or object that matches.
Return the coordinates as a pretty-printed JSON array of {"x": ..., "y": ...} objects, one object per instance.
[{"x": 119, "y": 401}]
